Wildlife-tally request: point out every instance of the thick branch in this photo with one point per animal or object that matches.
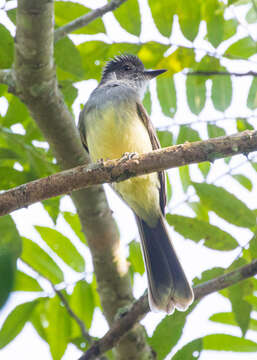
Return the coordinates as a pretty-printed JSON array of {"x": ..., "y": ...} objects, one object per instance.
[
  {"x": 86, "y": 19},
  {"x": 38, "y": 88},
  {"x": 118, "y": 170},
  {"x": 140, "y": 308},
  {"x": 221, "y": 73}
]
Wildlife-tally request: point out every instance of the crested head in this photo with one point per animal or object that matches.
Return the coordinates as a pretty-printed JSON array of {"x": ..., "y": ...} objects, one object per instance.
[
  {"x": 130, "y": 69},
  {"x": 125, "y": 62}
]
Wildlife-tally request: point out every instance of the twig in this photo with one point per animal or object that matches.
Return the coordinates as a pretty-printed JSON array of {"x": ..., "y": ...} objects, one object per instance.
[
  {"x": 119, "y": 170},
  {"x": 207, "y": 121},
  {"x": 86, "y": 19},
  {"x": 80, "y": 323},
  {"x": 220, "y": 73},
  {"x": 140, "y": 308}
]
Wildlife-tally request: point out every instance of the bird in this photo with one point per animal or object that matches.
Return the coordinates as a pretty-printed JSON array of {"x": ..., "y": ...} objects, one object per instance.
[{"x": 112, "y": 123}]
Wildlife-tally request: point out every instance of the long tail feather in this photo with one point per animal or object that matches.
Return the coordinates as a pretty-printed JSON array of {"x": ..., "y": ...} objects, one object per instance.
[{"x": 168, "y": 287}]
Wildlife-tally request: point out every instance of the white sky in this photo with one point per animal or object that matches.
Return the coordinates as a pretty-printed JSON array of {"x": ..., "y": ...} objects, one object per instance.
[{"x": 194, "y": 257}]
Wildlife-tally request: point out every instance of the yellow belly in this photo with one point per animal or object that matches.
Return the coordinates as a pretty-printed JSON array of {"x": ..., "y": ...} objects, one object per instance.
[{"x": 110, "y": 135}]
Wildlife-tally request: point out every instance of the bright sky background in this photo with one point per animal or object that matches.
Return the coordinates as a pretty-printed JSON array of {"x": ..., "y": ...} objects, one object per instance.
[{"x": 194, "y": 257}]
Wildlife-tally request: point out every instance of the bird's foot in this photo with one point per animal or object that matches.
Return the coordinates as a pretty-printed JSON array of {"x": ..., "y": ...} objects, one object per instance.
[{"x": 128, "y": 156}]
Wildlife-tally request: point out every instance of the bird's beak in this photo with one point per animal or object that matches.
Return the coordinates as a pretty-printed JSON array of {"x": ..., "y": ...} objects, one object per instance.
[{"x": 150, "y": 74}]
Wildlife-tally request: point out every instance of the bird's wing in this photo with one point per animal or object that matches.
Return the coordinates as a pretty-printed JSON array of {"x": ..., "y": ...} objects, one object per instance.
[
  {"x": 156, "y": 145},
  {"x": 82, "y": 128}
]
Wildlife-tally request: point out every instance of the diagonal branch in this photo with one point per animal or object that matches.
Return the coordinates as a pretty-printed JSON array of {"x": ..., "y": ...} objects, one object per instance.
[
  {"x": 86, "y": 19},
  {"x": 140, "y": 308},
  {"x": 119, "y": 170},
  {"x": 37, "y": 87},
  {"x": 80, "y": 323},
  {"x": 220, "y": 73}
]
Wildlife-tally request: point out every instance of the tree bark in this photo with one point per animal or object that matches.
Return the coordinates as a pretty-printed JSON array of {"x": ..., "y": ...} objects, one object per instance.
[
  {"x": 37, "y": 87},
  {"x": 121, "y": 169}
]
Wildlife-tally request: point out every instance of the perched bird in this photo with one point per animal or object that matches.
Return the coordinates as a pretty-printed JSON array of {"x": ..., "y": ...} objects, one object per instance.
[{"x": 112, "y": 123}]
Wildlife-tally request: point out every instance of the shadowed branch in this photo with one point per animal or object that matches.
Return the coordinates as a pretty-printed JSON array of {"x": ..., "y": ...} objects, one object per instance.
[
  {"x": 122, "y": 169},
  {"x": 86, "y": 19},
  {"x": 140, "y": 308}
]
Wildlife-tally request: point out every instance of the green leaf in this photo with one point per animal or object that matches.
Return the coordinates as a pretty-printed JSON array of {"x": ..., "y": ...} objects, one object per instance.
[
  {"x": 225, "y": 205},
  {"x": 185, "y": 177},
  {"x": 204, "y": 167},
  {"x": 11, "y": 177},
  {"x": 12, "y": 15},
  {"x": 243, "y": 48},
  {"x": 128, "y": 16},
  {"x": 221, "y": 92},
  {"x": 6, "y": 48},
  {"x": 230, "y": 28},
  {"x": 15, "y": 322},
  {"x": 39, "y": 317},
  {"x": 244, "y": 181},
  {"x": 16, "y": 113},
  {"x": 196, "y": 230},
  {"x": 209, "y": 275},
  {"x": 83, "y": 304},
  {"x": 74, "y": 222},
  {"x": 241, "y": 308},
  {"x": 135, "y": 257},
  {"x": 215, "y": 131},
  {"x": 186, "y": 133},
  {"x": 226, "y": 342},
  {"x": 147, "y": 101},
  {"x": 151, "y": 53},
  {"x": 213, "y": 15},
  {"x": 69, "y": 92},
  {"x": 196, "y": 93},
  {"x": 243, "y": 124},
  {"x": 253, "y": 247},
  {"x": 10, "y": 249},
  {"x": 58, "y": 329},
  {"x": 190, "y": 351},
  {"x": 63, "y": 247},
  {"x": 68, "y": 11},
  {"x": 24, "y": 282},
  {"x": 200, "y": 211},
  {"x": 180, "y": 59},
  {"x": 40, "y": 261},
  {"x": 167, "y": 333},
  {"x": 163, "y": 12},
  {"x": 168, "y": 188},
  {"x": 165, "y": 137},
  {"x": 166, "y": 93},
  {"x": 67, "y": 57},
  {"x": 251, "y": 16},
  {"x": 52, "y": 207},
  {"x": 228, "y": 318},
  {"x": 189, "y": 18},
  {"x": 252, "y": 95}
]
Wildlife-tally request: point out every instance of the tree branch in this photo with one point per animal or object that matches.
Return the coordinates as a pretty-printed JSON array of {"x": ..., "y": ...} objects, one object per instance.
[
  {"x": 220, "y": 73},
  {"x": 80, "y": 323},
  {"x": 86, "y": 19},
  {"x": 119, "y": 170},
  {"x": 37, "y": 87},
  {"x": 140, "y": 308}
]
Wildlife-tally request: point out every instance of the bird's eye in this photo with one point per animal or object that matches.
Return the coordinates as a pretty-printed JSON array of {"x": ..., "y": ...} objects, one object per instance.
[{"x": 127, "y": 67}]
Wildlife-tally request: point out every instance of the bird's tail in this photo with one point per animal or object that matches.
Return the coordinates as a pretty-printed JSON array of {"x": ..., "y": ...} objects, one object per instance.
[{"x": 168, "y": 287}]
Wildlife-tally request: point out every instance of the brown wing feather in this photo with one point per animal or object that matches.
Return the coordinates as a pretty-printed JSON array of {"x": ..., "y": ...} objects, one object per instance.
[
  {"x": 156, "y": 145},
  {"x": 82, "y": 129}
]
